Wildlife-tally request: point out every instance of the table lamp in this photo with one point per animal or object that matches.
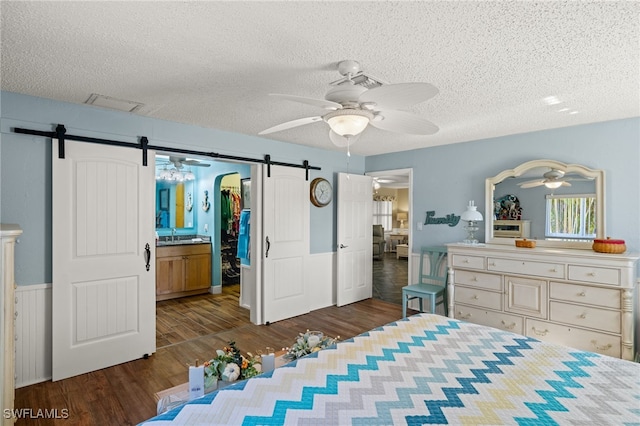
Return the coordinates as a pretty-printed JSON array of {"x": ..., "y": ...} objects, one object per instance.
[
  {"x": 471, "y": 216},
  {"x": 401, "y": 217}
]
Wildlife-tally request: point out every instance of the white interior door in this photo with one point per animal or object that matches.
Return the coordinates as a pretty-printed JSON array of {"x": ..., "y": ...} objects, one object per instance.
[
  {"x": 103, "y": 294},
  {"x": 355, "y": 238},
  {"x": 285, "y": 243}
]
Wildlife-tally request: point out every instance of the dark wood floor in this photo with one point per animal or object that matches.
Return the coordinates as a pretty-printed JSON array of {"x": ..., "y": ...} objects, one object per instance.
[
  {"x": 389, "y": 276},
  {"x": 190, "y": 328}
]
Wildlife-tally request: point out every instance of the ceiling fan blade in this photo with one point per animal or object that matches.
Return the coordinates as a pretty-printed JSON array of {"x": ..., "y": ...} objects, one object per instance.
[
  {"x": 322, "y": 103},
  {"x": 194, "y": 163},
  {"x": 531, "y": 184},
  {"x": 291, "y": 124},
  {"x": 399, "y": 95},
  {"x": 565, "y": 183},
  {"x": 342, "y": 141},
  {"x": 404, "y": 122}
]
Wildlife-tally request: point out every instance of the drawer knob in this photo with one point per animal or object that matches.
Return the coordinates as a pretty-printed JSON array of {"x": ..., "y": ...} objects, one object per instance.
[
  {"x": 583, "y": 316},
  {"x": 592, "y": 274},
  {"x": 582, "y": 294},
  {"x": 601, "y": 348},
  {"x": 540, "y": 332},
  {"x": 492, "y": 264},
  {"x": 553, "y": 270},
  {"x": 475, "y": 297},
  {"x": 460, "y": 315},
  {"x": 510, "y": 326},
  {"x": 474, "y": 278},
  {"x": 465, "y": 261}
]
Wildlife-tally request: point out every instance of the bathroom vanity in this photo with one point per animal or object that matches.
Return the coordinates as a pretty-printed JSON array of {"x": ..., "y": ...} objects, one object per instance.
[{"x": 183, "y": 268}]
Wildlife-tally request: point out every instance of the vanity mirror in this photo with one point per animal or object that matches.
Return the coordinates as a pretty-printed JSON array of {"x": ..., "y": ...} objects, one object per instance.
[
  {"x": 557, "y": 204},
  {"x": 174, "y": 205}
]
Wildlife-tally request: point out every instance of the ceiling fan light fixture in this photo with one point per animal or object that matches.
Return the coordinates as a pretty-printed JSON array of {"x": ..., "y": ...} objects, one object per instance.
[
  {"x": 553, "y": 184},
  {"x": 348, "y": 122}
]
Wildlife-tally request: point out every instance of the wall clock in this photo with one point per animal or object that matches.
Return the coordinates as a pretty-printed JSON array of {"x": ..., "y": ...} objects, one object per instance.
[{"x": 321, "y": 192}]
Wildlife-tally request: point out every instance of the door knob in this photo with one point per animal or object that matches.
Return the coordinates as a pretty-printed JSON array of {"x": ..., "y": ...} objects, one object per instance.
[{"x": 343, "y": 246}]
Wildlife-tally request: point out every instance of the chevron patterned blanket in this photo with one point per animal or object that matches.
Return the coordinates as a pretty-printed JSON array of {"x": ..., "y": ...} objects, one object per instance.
[{"x": 429, "y": 369}]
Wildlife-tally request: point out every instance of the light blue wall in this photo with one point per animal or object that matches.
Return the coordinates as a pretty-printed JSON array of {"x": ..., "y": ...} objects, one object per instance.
[
  {"x": 446, "y": 177},
  {"x": 25, "y": 166}
]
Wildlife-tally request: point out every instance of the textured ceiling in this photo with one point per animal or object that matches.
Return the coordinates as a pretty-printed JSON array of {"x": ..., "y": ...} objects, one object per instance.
[{"x": 212, "y": 64}]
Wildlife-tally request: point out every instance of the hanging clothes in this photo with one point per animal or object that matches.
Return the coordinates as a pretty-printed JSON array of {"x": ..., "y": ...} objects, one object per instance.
[{"x": 244, "y": 242}]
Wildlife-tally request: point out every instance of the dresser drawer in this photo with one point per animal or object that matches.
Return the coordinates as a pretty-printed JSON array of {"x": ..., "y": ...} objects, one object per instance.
[
  {"x": 477, "y": 297},
  {"x": 574, "y": 337},
  {"x": 604, "y": 297},
  {"x": 489, "y": 318},
  {"x": 585, "y": 316},
  {"x": 593, "y": 274},
  {"x": 478, "y": 279},
  {"x": 470, "y": 262},
  {"x": 525, "y": 267}
]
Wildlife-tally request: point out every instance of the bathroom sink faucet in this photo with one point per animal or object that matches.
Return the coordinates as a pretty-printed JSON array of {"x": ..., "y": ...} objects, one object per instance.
[{"x": 173, "y": 233}]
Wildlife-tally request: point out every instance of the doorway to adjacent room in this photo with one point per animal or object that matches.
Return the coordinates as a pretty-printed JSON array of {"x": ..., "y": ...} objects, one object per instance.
[{"x": 392, "y": 205}]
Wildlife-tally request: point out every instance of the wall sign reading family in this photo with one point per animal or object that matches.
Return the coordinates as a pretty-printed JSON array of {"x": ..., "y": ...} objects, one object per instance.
[{"x": 450, "y": 219}]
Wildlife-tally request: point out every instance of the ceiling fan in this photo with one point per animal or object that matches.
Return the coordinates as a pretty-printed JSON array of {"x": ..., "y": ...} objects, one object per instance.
[
  {"x": 176, "y": 173},
  {"x": 551, "y": 179},
  {"x": 351, "y": 106},
  {"x": 178, "y": 162}
]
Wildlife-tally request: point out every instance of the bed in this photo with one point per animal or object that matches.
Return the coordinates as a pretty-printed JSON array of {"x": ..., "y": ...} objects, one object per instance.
[{"x": 429, "y": 369}]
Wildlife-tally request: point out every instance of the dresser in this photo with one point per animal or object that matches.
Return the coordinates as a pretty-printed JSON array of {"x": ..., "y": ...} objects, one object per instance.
[
  {"x": 8, "y": 235},
  {"x": 578, "y": 298}
]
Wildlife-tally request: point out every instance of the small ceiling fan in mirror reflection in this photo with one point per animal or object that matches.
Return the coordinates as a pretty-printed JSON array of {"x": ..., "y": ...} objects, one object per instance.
[{"x": 552, "y": 179}]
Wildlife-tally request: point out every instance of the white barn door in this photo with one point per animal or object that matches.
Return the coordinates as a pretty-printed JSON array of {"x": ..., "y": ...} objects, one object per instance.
[
  {"x": 103, "y": 293},
  {"x": 355, "y": 238},
  {"x": 285, "y": 243}
]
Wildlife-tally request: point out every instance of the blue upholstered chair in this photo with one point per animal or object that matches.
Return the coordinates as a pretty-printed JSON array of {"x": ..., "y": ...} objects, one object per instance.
[{"x": 432, "y": 284}]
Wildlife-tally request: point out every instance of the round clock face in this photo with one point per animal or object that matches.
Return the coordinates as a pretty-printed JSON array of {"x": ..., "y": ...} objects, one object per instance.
[{"x": 321, "y": 192}]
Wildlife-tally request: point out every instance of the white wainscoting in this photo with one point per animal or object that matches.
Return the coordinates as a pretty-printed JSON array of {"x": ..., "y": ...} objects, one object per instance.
[{"x": 33, "y": 334}]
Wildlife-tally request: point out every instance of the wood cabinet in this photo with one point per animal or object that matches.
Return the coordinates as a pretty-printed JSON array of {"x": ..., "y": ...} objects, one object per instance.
[
  {"x": 8, "y": 235},
  {"x": 182, "y": 270},
  {"x": 576, "y": 298}
]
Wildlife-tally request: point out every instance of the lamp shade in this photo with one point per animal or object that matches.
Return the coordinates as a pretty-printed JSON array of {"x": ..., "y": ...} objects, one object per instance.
[
  {"x": 401, "y": 216},
  {"x": 471, "y": 213},
  {"x": 348, "y": 121}
]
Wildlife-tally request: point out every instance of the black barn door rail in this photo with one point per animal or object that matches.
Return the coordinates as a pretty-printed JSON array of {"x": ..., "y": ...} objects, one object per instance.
[{"x": 61, "y": 134}]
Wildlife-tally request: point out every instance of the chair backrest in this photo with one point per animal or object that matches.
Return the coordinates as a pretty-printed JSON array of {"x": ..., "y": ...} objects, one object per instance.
[
  {"x": 437, "y": 271},
  {"x": 378, "y": 231}
]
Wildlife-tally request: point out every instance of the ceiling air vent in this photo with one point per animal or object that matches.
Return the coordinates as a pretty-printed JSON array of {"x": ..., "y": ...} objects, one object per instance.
[
  {"x": 361, "y": 79},
  {"x": 113, "y": 103}
]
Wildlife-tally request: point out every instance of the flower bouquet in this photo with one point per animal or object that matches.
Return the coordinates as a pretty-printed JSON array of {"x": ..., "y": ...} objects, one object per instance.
[
  {"x": 230, "y": 365},
  {"x": 306, "y": 343}
]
